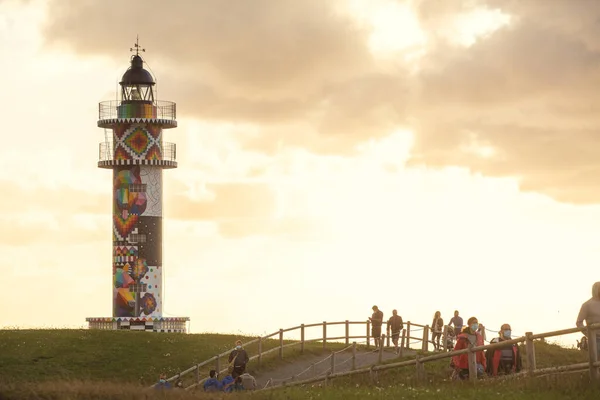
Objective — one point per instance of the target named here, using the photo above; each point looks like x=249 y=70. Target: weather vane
x=136 y=46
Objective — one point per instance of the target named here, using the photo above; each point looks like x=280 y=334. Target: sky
x=421 y=155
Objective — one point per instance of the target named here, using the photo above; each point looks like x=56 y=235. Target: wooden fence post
x=347 y=332
x=217 y=364
x=388 y=338
x=197 y=374
x=401 y=349
x=408 y=335
x=324 y=335
x=259 y=351
x=445 y=338
x=302 y=339
x=593 y=353
x=380 y=357
x=425 y=344
x=281 y=344
x=530 y=349
x=332 y=362
x=472 y=364
x=368 y=334
x=353 y=356
x=419 y=369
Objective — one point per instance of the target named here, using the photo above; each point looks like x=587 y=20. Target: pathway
x=302 y=366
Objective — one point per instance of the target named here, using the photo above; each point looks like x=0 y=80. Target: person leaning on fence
x=376 y=322
x=503 y=360
x=436 y=330
x=395 y=325
x=212 y=384
x=238 y=359
x=590 y=313
x=469 y=335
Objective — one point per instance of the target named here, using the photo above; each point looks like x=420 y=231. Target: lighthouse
x=135 y=151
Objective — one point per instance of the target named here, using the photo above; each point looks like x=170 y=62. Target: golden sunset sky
x=419 y=155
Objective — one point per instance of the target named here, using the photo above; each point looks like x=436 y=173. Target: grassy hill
x=82 y=364
x=115 y=356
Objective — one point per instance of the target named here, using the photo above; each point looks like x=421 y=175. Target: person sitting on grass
x=162 y=382
x=238 y=384
x=227 y=382
x=505 y=360
x=248 y=381
x=212 y=384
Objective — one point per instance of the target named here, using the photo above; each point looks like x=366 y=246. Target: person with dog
x=590 y=313
x=504 y=360
x=395 y=325
x=469 y=336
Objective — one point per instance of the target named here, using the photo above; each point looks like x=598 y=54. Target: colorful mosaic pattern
x=124 y=254
x=136 y=110
x=137 y=141
x=137 y=241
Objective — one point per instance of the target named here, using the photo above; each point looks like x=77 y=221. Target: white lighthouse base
x=162 y=324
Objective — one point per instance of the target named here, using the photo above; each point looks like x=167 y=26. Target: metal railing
x=107 y=151
x=164 y=109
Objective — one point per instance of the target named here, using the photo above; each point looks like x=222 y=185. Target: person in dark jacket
x=376 y=322
x=238 y=360
x=503 y=360
x=395 y=326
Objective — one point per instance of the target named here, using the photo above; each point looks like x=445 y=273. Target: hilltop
x=80 y=364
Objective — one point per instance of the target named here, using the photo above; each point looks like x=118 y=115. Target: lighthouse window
x=136 y=238
x=137 y=188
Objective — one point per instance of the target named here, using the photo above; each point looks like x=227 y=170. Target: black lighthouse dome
x=136 y=74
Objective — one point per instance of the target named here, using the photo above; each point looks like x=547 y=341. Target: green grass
x=90 y=364
x=119 y=356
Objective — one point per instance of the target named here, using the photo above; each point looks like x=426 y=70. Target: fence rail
x=405 y=342
x=106 y=150
x=110 y=109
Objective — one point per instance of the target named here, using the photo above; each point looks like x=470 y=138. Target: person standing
x=376 y=322
x=590 y=313
x=238 y=359
x=395 y=325
x=457 y=322
x=436 y=330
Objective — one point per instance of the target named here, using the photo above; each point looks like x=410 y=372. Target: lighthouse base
x=162 y=324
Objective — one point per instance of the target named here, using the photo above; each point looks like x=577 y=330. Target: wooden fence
x=593 y=365
x=220 y=363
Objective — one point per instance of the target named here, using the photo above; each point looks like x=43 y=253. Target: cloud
x=524 y=97
x=519 y=101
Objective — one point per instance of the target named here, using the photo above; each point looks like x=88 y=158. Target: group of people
x=493 y=362
x=237 y=379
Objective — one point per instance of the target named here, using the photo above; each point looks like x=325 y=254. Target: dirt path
x=302 y=367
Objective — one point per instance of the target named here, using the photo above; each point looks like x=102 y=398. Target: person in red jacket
x=469 y=335
x=505 y=360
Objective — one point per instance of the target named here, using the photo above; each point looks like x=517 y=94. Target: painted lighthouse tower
x=136 y=153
